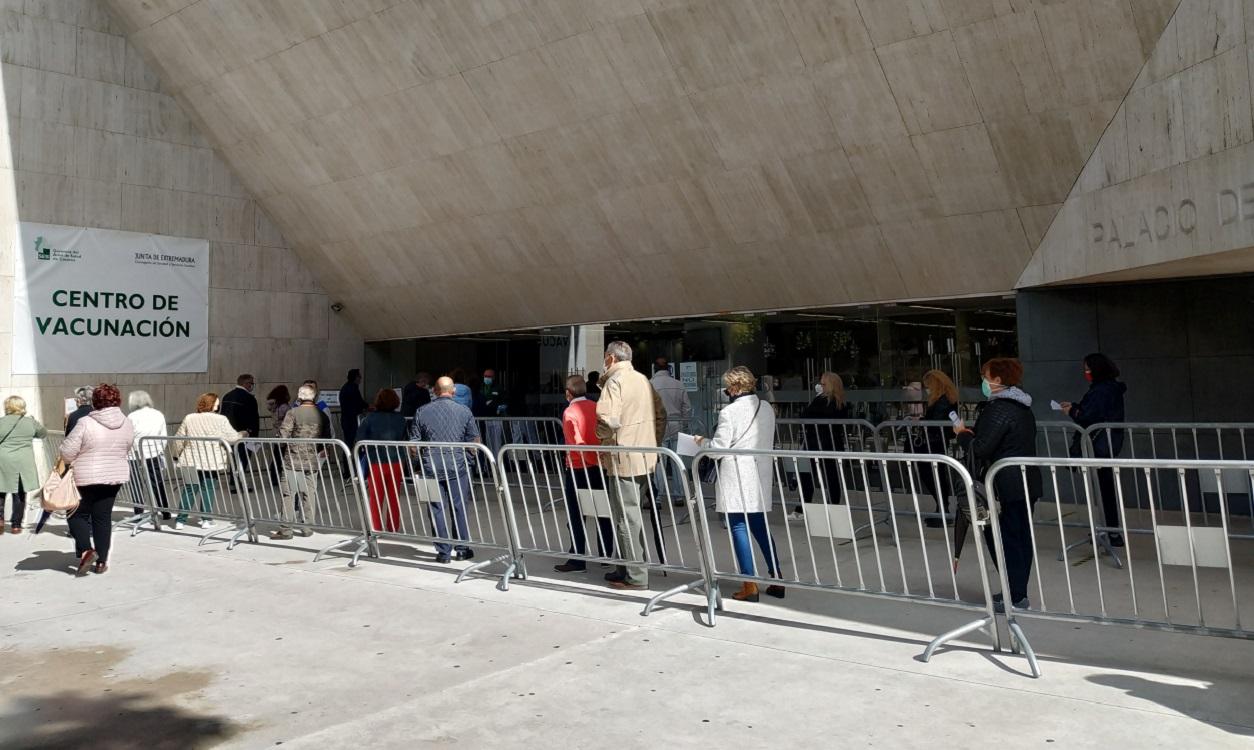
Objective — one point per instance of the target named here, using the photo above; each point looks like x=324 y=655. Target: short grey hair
x=306 y=393
x=577 y=386
x=82 y=395
x=138 y=400
x=619 y=351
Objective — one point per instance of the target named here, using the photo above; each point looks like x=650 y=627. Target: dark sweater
x=1102 y=403
x=825 y=437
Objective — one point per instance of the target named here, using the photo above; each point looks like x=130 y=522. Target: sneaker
x=179 y=525
x=281 y=534
x=304 y=532
x=464 y=554
x=442 y=557
x=797 y=516
x=205 y=523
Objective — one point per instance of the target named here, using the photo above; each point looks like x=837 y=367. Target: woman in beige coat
x=208 y=459
x=18 y=474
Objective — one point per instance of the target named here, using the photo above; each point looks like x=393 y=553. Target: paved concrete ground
x=182 y=646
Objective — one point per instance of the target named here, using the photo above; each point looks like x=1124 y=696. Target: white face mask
x=818 y=389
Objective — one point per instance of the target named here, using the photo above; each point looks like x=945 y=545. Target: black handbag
x=707 y=468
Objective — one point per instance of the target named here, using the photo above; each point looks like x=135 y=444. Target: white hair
x=619 y=351
x=138 y=400
x=82 y=395
x=305 y=393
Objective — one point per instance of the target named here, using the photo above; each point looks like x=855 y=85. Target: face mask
x=818 y=389
x=986 y=388
x=487 y=381
x=1088 y=376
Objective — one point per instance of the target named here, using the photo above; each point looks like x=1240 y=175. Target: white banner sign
x=98 y=300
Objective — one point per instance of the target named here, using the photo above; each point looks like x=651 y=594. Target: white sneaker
x=205 y=523
x=178 y=525
x=795 y=516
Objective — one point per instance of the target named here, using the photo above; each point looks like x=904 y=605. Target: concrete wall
x=90 y=139
x=1169 y=190
x=1185 y=347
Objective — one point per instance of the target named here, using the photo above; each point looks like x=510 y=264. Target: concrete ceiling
x=458 y=165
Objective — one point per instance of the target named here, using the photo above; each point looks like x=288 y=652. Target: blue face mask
x=986 y=388
x=487 y=381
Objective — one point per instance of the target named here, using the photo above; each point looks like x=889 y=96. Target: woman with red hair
x=99 y=447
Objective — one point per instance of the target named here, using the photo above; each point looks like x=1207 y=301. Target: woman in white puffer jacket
x=98 y=447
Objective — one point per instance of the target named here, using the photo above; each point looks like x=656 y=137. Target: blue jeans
x=743 y=523
x=454 y=492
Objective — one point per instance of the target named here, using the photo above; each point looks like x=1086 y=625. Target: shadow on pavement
x=1194 y=701
x=58 y=560
x=78 y=719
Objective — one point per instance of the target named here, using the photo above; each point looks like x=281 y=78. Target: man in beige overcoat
x=628 y=414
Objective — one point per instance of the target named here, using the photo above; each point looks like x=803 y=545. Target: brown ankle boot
x=747 y=593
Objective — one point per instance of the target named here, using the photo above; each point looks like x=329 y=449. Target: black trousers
x=154 y=468
x=19 y=506
x=92 y=523
x=939 y=491
x=586 y=479
x=1016 y=538
x=832 y=482
x=1110 y=499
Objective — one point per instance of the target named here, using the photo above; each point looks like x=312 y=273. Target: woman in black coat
x=942 y=398
x=1006 y=428
x=830 y=403
x=1103 y=403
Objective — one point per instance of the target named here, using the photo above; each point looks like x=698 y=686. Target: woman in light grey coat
x=744 y=486
x=18 y=474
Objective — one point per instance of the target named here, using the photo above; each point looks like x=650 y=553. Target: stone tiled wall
x=90 y=139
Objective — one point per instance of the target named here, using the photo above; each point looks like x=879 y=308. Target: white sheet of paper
x=1055 y=406
x=687 y=445
x=252 y=447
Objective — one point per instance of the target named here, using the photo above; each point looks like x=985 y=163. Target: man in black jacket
x=352 y=406
x=415 y=395
x=239 y=406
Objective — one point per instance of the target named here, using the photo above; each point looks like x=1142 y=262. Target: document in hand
x=687 y=445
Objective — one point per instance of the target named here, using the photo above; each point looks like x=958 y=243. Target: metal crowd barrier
x=824 y=551
x=583 y=513
x=422 y=492
x=496 y=432
x=298 y=486
x=198 y=477
x=1179 y=572
x=856 y=434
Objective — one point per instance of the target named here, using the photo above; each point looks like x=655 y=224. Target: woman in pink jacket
x=98 y=448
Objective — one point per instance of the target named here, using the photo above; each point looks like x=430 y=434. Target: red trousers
x=383 y=487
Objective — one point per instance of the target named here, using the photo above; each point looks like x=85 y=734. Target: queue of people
x=106 y=448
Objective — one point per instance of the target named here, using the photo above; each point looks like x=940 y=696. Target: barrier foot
x=134 y=522
x=373 y=548
x=214 y=531
x=1016 y=633
x=693 y=586
x=244 y=530
x=503 y=584
x=954 y=634
x=480 y=566
x=357 y=540
x=1103 y=545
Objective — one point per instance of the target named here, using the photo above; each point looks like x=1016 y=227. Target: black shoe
x=1115 y=539
x=442 y=557
x=571 y=566
x=999 y=606
x=464 y=554
x=615 y=576
x=933 y=523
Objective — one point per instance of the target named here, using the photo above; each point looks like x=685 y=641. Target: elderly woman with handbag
x=18 y=474
x=744 y=483
x=99 y=448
